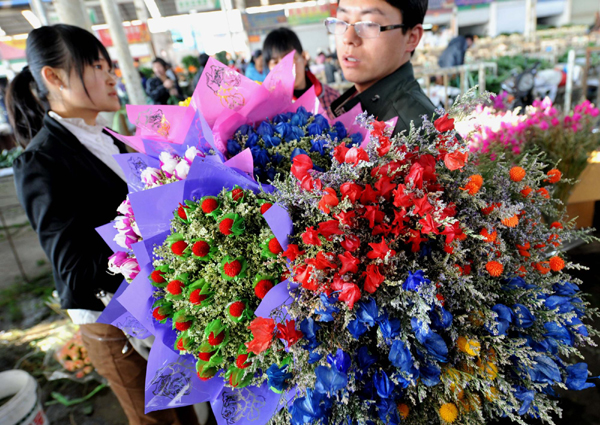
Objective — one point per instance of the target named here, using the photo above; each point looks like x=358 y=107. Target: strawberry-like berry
x=181 y=212
x=203 y=378
x=201 y=249
x=178 y=247
x=262 y=287
x=156 y=314
x=232 y=269
x=180 y=346
x=225 y=226
x=205 y=356
x=157 y=276
x=216 y=340
x=275 y=247
x=237 y=308
x=196 y=297
x=209 y=205
x=265 y=207
x=175 y=287
x=237 y=194
x=183 y=326
x=240 y=362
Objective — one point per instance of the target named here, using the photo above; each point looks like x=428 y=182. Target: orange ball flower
x=554 y=176
x=526 y=191
x=474 y=184
x=517 y=174
x=556 y=225
x=489 y=237
x=494 y=268
x=511 y=221
x=557 y=263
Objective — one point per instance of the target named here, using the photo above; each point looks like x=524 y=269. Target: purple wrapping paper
x=171 y=380
x=247 y=406
x=137 y=298
x=154 y=207
x=107 y=232
x=134 y=142
x=275 y=298
x=115 y=314
x=280 y=223
x=154 y=147
x=132 y=165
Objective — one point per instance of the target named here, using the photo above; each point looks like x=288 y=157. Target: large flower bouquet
x=566 y=138
x=425 y=291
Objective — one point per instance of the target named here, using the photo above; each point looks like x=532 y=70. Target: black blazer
x=67 y=192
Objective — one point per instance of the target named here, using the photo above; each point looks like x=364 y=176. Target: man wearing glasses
x=375 y=40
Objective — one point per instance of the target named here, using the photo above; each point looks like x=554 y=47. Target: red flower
x=309 y=184
x=301 y=164
x=204 y=356
x=444 y=124
x=201 y=249
x=415 y=239
x=237 y=308
x=328 y=200
x=209 y=205
x=384 y=145
x=304 y=276
x=339 y=153
x=175 y=287
x=346 y=217
x=237 y=194
x=215 y=340
x=428 y=163
x=178 y=247
x=452 y=232
x=292 y=252
x=242 y=361
x=373 y=278
x=225 y=226
x=311 y=237
x=265 y=207
x=385 y=187
x=349 y=293
x=429 y=225
x=355 y=155
x=323 y=261
x=329 y=228
x=232 y=269
x=380 y=250
x=351 y=243
x=262 y=288
x=378 y=128
x=351 y=190
x=382 y=229
x=399 y=219
x=157 y=276
x=369 y=196
x=374 y=215
x=349 y=263
x=401 y=199
x=181 y=212
x=415 y=175
x=262 y=332
x=196 y=297
x=183 y=326
x=456 y=160
x=289 y=333
x=156 y=314
x=275 y=247
x=422 y=206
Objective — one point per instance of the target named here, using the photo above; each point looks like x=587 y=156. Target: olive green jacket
x=397 y=95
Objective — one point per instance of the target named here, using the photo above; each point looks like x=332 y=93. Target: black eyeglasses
x=364 y=29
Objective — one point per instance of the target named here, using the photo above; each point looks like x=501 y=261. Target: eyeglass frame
x=348 y=25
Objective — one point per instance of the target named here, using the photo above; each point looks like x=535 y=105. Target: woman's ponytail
x=25 y=109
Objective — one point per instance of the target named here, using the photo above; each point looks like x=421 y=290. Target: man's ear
x=415 y=35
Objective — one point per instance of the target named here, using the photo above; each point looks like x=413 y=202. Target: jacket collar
x=375 y=99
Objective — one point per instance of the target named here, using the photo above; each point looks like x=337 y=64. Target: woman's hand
x=168 y=84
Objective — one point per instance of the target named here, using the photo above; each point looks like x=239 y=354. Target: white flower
x=164 y=157
x=125 y=208
x=130 y=268
x=182 y=169
x=191 y=153
x=169 y=167
x=150 y=176
x=135 y=228
x=122 y=224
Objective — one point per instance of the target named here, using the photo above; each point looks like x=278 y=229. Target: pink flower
x=555 y=122
x=544 y=125
x=125 y=208
x=126 y=239
x=150 y=176
x=130 y=268
x=116 y=260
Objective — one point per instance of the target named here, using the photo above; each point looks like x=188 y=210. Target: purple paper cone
x=275 y=298
x=132 y=165
x=108 y=232
x=153 y=208
x=280 y=223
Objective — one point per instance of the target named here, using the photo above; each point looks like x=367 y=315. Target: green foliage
x=8 y=156
x=190 y=60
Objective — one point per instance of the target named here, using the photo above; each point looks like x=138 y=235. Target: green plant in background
x=507 y=66
x=147 y=72
x=190 y=60
x=8 y=156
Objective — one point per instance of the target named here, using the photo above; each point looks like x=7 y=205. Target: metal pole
x=71 y=12
x=142 y=14
x=133 y=83
x=37 y=7
x=569 y=87
x=481 y=78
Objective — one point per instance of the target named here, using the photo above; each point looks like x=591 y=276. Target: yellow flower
x=403 y=410
x=476 y=318
x=468 y=346
x=449 y=412
x=488 y=368
x=185 y=102
x=492 y=394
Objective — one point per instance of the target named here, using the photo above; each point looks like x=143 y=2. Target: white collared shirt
x=102 y=147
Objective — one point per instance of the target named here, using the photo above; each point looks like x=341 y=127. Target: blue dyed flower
x=577 y=376
x=433 y=343
x=271 y=141
x=265 y=129
x=329 y=380
x=356 y=328
x=296 y=133
x=440 y=318
x=245 y=129
x=367 y=312
x=277 y=377
x=328 y=308
x=252 y=140
x=420 y=329
x=526 y=396
x=307 y=409
x=296 y=152
x=401 y=357
x=338 y=131
x=319 y=145
x=284 y=129
x=276 y=158
x=314 y=357
x=383 y=385
x=430 y=374
x=300 y=118
x=558 y=332
x=390 y=328
x=341 y=361
x=260 y=156
x=503 y=319
x=364 y=359
x=514 y=283
x=309 y=328
x=566 y=289
x=577 y=325
x=523 y=317
x=544 y=371
x=233 y=147
x=387 y=411
x=355 y=140
x=557 y=301
x=414 y=281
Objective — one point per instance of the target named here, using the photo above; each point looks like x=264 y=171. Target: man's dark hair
x=470 y=37
x=162 y=62
x=280 y=41
x=413 y=12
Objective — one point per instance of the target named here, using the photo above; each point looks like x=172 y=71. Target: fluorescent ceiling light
x=2 y=32
x=20 y=37
x=153 y=8
x=31 y=18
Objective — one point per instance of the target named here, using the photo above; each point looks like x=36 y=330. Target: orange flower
x=511 y=221
x=461 y=237
x=539 y=246
x=526 y=191
x=544 y=192
x=474 y=184
x=489 y=237
x=403 y=410
x=522 y=271
x=557 y=263
x=554 y=176
x=556 y=225
x=517 y=174
x=192 y=69
x=541 y=267
x=494 y=268
x=523 y=250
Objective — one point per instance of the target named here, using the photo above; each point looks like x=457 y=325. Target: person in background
x=161 y=87
x=69 y=183
x=375 y=40
x=277 y=45
x=454 y=53
x=203 y=59
x=256 y=68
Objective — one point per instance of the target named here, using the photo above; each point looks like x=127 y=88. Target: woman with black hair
x=69 y=183
x=161 y=87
